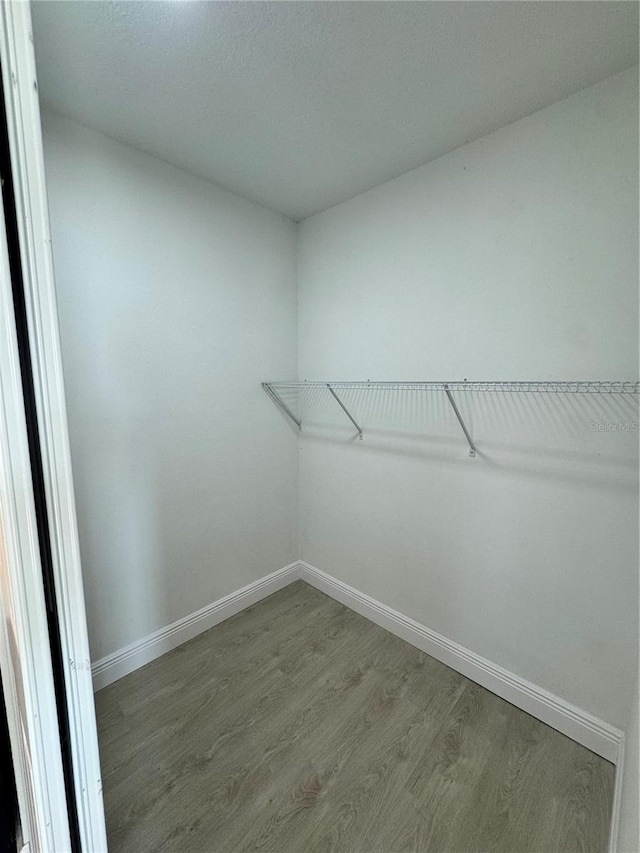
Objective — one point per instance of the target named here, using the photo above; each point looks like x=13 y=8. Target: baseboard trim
x=115 y=666
x=595 y=734
x=617 y=800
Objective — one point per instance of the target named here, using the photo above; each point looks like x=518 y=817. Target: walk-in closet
x=347 y=305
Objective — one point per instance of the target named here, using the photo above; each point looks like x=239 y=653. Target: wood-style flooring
x=300 y=726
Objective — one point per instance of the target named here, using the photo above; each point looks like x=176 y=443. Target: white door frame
x=25 y=659
x=25 y=140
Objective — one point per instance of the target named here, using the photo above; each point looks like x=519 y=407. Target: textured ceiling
x=300 y=106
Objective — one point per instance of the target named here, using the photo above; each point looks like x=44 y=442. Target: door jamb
x=25 y=140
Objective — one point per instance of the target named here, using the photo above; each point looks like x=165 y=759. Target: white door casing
x=25 y=141
x=25 y=659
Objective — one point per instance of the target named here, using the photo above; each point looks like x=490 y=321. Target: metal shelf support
x=346 y=411
x=472 y=447
x=277 y=399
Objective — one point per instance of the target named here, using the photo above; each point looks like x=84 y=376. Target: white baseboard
x=595 y=734
x=114 y=666
x=617 y=800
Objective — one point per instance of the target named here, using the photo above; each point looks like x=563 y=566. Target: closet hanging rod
x=545 y=387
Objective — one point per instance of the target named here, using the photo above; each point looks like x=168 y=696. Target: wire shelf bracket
x=472 y=447
x=345 y=410
x=277 y=399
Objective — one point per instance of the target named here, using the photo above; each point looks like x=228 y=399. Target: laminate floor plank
x=187 y=693
x=364 y=801
x=235 y=733
x=317 y=735
x=252 y=637
x=298 y=725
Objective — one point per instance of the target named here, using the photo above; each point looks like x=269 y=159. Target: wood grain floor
x=300 y=726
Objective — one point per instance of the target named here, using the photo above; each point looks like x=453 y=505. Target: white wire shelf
x=447 y=387
x=547 y=387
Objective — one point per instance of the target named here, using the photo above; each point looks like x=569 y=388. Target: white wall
x=514 y=257
x=176 y=299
